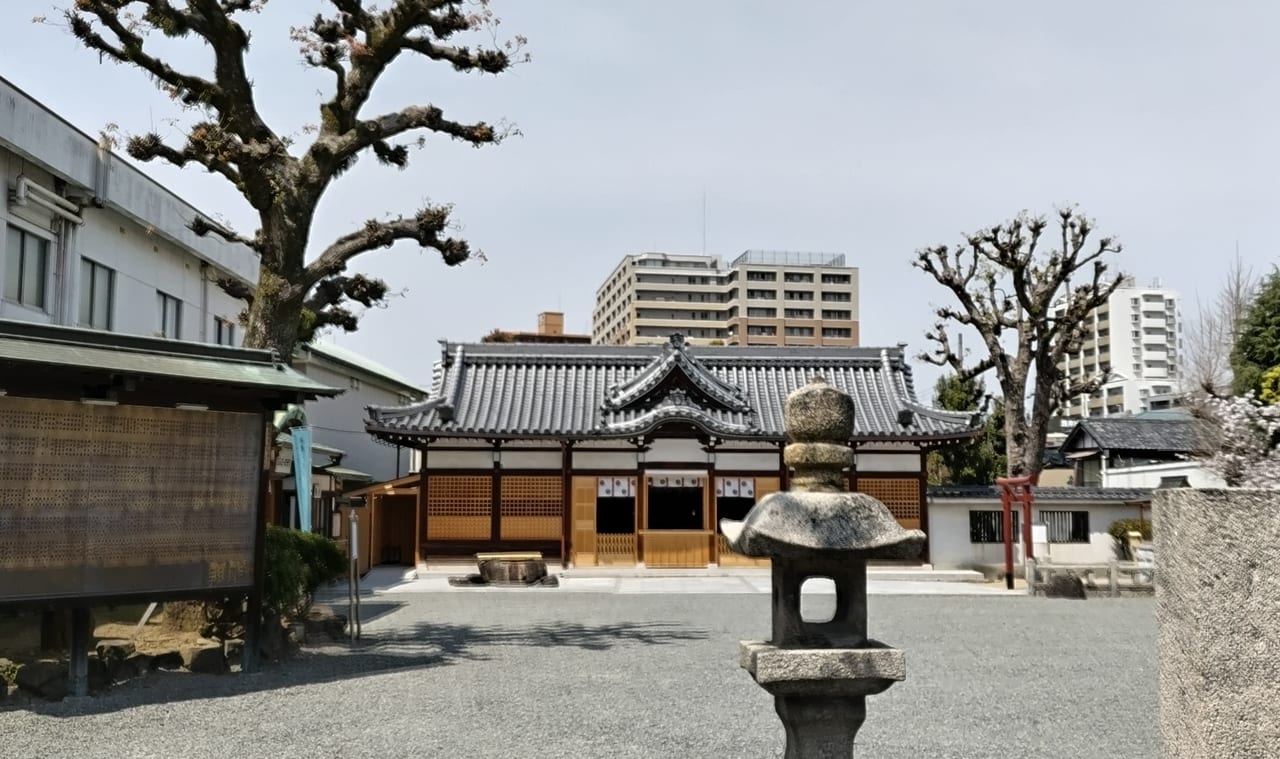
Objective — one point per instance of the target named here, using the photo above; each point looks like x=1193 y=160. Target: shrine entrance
x=676 y=528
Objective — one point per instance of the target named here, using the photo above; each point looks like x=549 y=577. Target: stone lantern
x=820 y=673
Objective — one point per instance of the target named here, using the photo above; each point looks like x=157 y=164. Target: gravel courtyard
x=539 y=673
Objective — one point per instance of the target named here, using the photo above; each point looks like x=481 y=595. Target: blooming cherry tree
x=1244 y=452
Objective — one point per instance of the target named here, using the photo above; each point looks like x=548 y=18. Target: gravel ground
x=541 y=674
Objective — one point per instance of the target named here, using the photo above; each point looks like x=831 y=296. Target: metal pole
x=353 y=576
x=81 y=633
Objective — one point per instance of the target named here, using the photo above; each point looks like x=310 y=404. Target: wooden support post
x=924 y=503
x=566 y=501
x=81 y=638
x=420 y=511
x=250 y=654
x=495 y=512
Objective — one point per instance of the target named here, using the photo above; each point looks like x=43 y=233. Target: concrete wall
x=1218 y=620
x=950 y=547
x=1149 y=475
x=339 y=422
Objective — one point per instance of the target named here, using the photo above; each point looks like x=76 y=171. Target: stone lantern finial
x=820 y=672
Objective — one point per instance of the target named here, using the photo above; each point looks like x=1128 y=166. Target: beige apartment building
x=760 y=298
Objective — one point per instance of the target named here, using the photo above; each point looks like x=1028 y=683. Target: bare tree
x=283 y=182
x=1211 y=337
x=1009 y=286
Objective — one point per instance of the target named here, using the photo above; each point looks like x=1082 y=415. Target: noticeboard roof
x=26 y=344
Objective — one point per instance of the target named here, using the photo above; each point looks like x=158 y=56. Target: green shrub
x=298 y=563
x=1120 y=529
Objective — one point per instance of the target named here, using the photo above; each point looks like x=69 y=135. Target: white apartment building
x=90 y=241
x=760 y=298
x=1138 y=333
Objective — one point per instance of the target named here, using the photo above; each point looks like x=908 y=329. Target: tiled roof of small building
x=580 y=392
x=1069 y=493
x=1134 y=433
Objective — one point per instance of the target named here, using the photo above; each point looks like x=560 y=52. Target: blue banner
x=302 y=475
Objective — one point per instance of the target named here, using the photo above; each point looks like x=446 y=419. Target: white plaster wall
x=888 y=462
x=603 y=460
x=949 y=546
x=339 y=422
x=459 y=460
x=1148 y=476
x=530 y=459
x=676 y=450
x=751 y=462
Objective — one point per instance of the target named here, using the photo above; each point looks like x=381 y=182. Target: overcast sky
x=869 y=129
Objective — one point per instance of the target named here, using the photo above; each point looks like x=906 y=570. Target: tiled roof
x=1134 y=433
x=985 y=492
x=522 y=390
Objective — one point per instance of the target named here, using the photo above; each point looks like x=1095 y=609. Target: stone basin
x=512 y=568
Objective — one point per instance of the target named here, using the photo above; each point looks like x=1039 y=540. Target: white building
x=91 y=241
x=1138 y=333
x=760 y=298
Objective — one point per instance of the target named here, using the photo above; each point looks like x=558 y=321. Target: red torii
x=1019 y=489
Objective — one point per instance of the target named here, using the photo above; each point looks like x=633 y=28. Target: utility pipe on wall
x=28 y=193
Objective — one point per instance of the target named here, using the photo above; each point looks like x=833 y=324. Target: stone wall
x=1218 y=613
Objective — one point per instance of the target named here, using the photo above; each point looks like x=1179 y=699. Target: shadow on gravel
x=425 y=645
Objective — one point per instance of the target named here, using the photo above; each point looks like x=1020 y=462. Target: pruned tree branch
x=426 y=228
x=236 y=289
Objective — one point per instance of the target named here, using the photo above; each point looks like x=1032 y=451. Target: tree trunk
x=275 y=316
x=1015 y=435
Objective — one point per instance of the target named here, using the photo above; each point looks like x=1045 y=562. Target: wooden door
x=584 y=521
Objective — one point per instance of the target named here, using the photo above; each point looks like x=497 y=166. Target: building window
x=762 y=313
x=837 y=332
x=799 y=295
x=1067 y=526
x=224 y=331
x=828 y=313
x=759 y=330
x=795 y=276
x=26 y=268
x=799 y=331
x=836 y=279
x=97 y=295
x=170 y=316
x=762 y=294
x=988 y=526
x=762 y=276
x=798 y=313
x=837 y=296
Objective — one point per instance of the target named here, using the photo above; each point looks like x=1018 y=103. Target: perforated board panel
x=460 y=508
x=101 y=501
x=531 y=508
x=900 y=494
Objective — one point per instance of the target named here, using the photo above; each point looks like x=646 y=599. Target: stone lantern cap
x=818 y=519
x=822 y=525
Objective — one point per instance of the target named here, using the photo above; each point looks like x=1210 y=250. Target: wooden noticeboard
x=101 y=501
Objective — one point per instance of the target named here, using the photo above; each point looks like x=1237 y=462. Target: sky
x=870 y=129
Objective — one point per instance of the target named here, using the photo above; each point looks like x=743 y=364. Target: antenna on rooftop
x=704 y=220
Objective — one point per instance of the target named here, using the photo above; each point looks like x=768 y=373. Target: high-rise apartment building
x=760 y=298
x=1138 y=333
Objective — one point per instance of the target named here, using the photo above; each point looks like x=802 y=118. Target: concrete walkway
x=397 y=580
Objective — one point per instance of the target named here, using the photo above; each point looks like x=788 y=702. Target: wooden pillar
x=253 y=607
x=709 y=496
x=784 y=472
x=924 y=502
x=420 y=514
x=495 y=513
x=81 y=639
x=566 y=500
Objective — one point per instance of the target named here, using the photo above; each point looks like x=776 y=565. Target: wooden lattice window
x=459 y=508
x=532 y=508
x=900 y=494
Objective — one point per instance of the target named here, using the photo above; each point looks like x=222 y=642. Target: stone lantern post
x=820 y=673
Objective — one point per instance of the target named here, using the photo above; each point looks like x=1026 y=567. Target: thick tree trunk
x=274 y=317
x=1015 y=435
